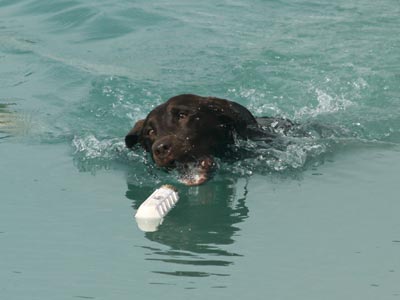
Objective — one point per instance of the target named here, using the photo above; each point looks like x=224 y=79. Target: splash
x=92 y=154
x=287 y=153
x=326 y=104
x=92 y=148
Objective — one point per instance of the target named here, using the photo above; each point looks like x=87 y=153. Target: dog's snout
x=162 y=148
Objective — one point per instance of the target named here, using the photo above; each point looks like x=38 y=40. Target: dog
x=188 y=131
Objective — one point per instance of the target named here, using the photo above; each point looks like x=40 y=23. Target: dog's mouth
x=196 y=173
x=191 y=169
x=191 y=172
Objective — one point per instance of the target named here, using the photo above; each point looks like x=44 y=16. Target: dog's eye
x=151 y=132
x=182 y=115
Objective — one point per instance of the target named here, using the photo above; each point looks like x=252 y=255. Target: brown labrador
x=188 y=131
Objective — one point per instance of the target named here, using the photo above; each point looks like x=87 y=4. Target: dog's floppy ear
x=133 y=136
x=235 y=115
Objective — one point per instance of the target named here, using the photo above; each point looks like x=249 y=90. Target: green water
x=318 y=219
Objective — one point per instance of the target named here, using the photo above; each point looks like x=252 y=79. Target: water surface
x=316 y=219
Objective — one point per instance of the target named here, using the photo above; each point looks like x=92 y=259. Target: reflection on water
x=6 y=121
x=198 y=229
x=13 y=122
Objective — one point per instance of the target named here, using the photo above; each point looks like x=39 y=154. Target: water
x=317 y=219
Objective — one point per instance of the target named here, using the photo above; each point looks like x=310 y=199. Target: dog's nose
x=162 y=149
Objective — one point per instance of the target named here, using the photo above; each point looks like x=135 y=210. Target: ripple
x=6 y=2
x=48 y=7
x=189 y=273
x=74 y=17
x=103 y=27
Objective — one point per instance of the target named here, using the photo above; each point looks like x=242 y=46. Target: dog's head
x=189 y=130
